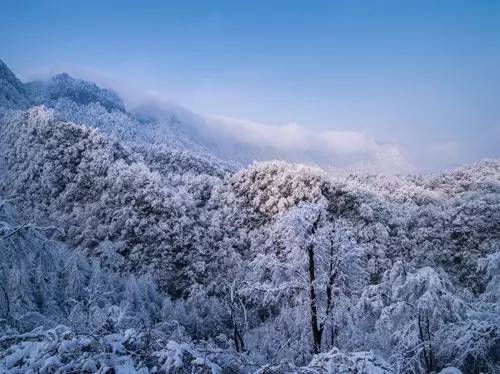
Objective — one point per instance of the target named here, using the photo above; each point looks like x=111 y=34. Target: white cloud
x=332 y=150
x=292 y=136
x=244 y=140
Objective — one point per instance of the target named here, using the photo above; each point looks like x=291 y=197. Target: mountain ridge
x=130 y=247
x=12 y=90
x=234 y=142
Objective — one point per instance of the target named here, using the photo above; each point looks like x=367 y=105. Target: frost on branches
x=127 y=246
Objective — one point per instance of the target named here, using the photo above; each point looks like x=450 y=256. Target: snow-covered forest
x=127 y=245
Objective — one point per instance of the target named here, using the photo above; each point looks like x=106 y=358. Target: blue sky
x=424 y=75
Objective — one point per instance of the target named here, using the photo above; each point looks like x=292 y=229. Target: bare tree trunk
x=425 y=339
x=7 y=302
x=317 y=331
x=431 y=364
x=239 y=343
x=238 y=340
x=334 y=335
x=329 y=294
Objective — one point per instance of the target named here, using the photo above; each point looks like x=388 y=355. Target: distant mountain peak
x=82 y=92
x=6 y=73
x=12 y=91
x=14 y=94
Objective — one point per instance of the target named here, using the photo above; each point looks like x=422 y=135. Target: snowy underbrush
x=61 y=350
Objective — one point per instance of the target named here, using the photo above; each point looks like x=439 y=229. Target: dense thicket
x=155 y=254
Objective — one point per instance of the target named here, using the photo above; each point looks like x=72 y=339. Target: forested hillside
x=126 y=245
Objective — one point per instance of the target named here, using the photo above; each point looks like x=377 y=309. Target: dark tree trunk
x=425 y=338
x=238 y=340
x=239 y=343
x=329 y=293
x=6 y=309
x=317 y=331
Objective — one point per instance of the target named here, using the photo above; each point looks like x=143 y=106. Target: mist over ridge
x=148 y=239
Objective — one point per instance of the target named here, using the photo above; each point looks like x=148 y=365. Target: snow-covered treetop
x=274 y=186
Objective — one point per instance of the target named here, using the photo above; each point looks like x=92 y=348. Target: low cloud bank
x=339 y=151
x=245 y=140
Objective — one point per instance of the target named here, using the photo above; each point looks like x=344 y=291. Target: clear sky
x=421 y=74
